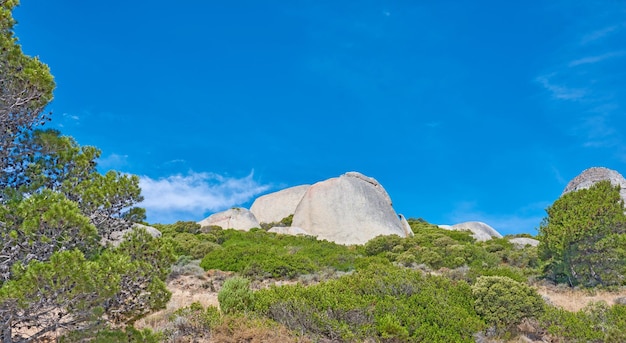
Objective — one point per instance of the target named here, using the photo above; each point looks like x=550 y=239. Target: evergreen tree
x=583 y=238
x=25 y=87
x=55 y=211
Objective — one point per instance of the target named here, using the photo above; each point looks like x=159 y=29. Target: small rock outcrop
x=350 y=209
x=406 y=226
x=288 y=230
x=593 y=175
x=118 y=236
x=521 y=242
x=235 y=218
x=480 y=231
x=273 y=207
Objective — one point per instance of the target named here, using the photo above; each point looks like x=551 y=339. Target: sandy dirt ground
x=576 y=299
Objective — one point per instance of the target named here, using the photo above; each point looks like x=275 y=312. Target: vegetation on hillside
x=436 y=286
x=59 y=277
x=583 y=239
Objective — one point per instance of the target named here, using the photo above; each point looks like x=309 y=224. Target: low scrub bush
x=235 y=295
x=258 y=254
x=381 y=301
x=504 y=302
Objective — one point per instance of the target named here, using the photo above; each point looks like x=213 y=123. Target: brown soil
x=575 y=299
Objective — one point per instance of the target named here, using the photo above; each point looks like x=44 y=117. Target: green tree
x=76 y=294
x=47 y=160
x=26 y=87
x=55 y=209
x=36 y=227
x=583 y=237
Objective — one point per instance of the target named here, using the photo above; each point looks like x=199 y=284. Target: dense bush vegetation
x=583 y=239
x=504 y=302
x=235 y=295
x=259 y=254
x=381 y=301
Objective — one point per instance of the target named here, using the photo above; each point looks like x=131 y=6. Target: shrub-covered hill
x=437 y=286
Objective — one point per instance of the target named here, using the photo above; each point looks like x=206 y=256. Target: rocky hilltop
x=593 y=175
x=480 y=231
x=349 y=209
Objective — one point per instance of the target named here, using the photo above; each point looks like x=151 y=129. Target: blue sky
x=463 y=110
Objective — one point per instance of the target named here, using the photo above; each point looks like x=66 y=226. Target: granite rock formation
x=273 y=207
x=350 y=209
x=117 y=237
x=480 y=231
x=521 y=242
x=593 y=175
x=288 y=230
x=235 y=218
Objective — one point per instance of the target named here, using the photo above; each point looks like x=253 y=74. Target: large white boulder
x=117 y=237
x=593 y=175
x=273 y=207
x=288 y=230
x=406 y=226
x=235 y=218
x=350 y=209
x=521 y=242
x=480 y=231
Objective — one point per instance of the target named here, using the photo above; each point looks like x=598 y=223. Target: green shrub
x=381 y=244
x=504 y=302
x=258 y=254
x=381 y=301
x=129 y=335
x=570 y=326
x=502 y=270
x=235 y=295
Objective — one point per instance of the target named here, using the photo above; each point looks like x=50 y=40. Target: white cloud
x=71 y=116
x=191 y=196
x=561 y=92
x=599 y=34
x=596 y=59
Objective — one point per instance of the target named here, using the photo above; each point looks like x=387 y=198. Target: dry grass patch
x=253 y=330
x=574 y=300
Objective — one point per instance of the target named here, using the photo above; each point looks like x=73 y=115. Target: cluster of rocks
x=354 y=208
x=349 y=209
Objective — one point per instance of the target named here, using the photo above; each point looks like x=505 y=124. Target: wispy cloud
x=585 y=85
x=558 y=176
x=596 y=59
x=71 y=116
x=561 y=92
x=191 y=196
x=599 y=34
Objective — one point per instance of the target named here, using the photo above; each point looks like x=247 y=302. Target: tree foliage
x=56 y=210
x=46 y=160
x=25 y=86
x=73 y=293
x=504 y=302
x=583 y=237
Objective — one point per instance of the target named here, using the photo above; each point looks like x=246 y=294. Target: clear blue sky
x=463 y=110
